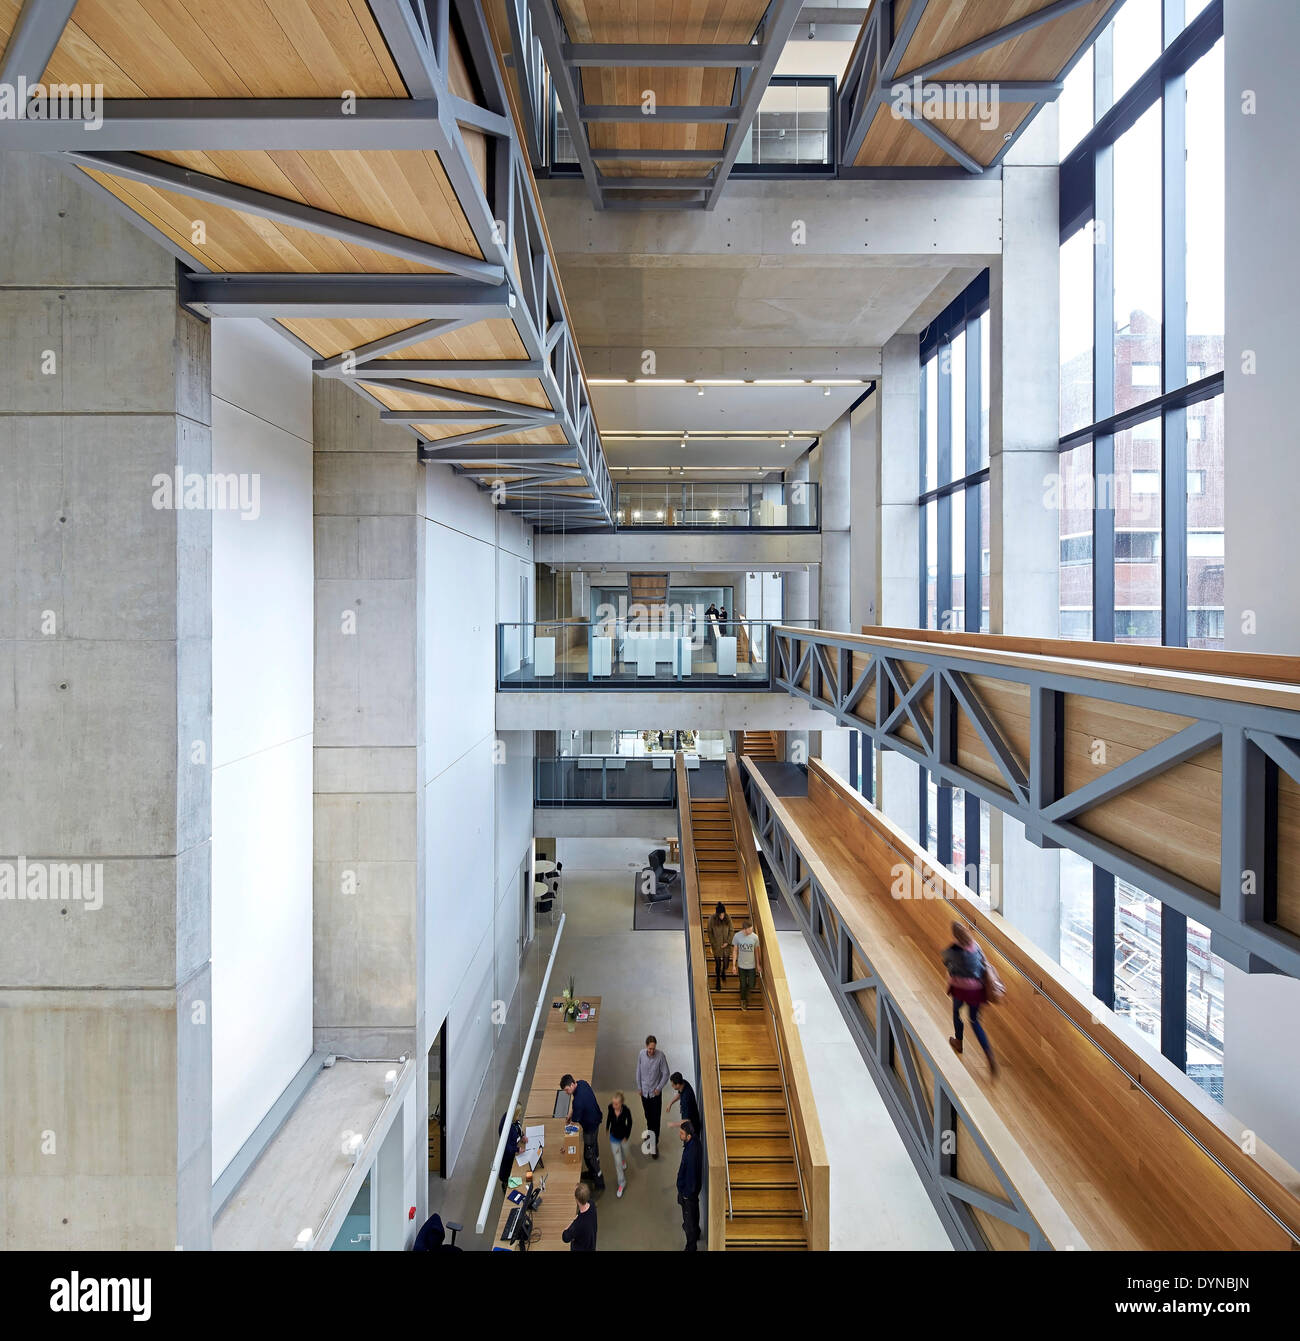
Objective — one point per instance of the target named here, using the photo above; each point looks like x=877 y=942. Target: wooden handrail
x=706 y=1052
x=1242 y=677
x=1262 y=1176
x=810 y=1148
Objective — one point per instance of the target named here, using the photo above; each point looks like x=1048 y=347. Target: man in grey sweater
x=651 y=1076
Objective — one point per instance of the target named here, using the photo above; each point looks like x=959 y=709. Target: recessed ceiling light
x=780 y=381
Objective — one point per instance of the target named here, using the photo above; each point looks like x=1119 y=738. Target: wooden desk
x=561 y=1053
x=563 y=1172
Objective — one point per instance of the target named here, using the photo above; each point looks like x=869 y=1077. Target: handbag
x=994 y=990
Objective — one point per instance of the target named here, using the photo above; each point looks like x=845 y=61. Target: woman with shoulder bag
x=971 y=982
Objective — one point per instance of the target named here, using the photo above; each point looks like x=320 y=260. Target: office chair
x=662 y=873
x=547 y=905
x=656 y=888
x=455 y=1228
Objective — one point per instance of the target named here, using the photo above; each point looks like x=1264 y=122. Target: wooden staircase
x=758 y=744
x=766 y=1203
x=650 y=590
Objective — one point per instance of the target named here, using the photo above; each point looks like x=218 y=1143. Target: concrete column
x=897 y=473
x=1024 y=427
x=105 y=717
x=1261 y=1079
x=370 y=629
x=836 y=569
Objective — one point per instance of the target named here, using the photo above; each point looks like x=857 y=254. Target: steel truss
x=931 y=1127
x=504 y=219
x=873 y=81
x=540 y=42
x=1256 y=742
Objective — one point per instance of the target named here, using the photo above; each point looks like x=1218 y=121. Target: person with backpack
x=968 y=974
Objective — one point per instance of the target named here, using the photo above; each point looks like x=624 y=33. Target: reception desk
x=561 y=1053
x=561 y=1167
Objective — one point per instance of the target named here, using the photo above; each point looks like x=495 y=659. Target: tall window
x=954 y=526
x=1141 y=451
x=955 y=464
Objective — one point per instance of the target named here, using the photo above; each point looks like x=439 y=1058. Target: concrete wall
x=262 y=573
x=1261 y=1081
x=419 y=805
x=105 y=689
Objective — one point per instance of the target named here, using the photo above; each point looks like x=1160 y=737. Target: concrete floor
x=877 y=1199
x=641 y=978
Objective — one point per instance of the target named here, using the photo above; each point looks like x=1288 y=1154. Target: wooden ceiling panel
x=950 y=26
x=329 y=336
x=552 y=434
x=661 y=20
x=226 y=49
x=403 y=191
x=682 y=86
x=984 y=145
x=1041 y=53
x=894 y=141
x=519 y=392
x=246 y=243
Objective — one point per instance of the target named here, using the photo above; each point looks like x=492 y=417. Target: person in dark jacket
x=512 y=1145
x=720 y=932
x=581 y=1234
x=584 y=1109
x=618 y=1123
x=966 y=967
x=689 y=1175
x=690 y=1111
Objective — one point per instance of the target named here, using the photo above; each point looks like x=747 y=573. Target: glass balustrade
x=606 y=779
x=692 y=505
x=681 y=647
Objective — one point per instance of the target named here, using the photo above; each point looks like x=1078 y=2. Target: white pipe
x=519 y=1080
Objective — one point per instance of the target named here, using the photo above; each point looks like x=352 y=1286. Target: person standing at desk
x=584 y=1109
x=689 y=1174
x=686 y=1097
x=651 y=1077
x=581 y=1234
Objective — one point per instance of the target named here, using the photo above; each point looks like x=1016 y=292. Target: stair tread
x=760 y=1201
x=762 y=1172
x=785 y=1229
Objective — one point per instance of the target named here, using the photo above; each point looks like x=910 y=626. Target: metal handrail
x=726 y=1163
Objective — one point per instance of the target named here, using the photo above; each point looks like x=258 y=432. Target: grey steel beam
x=997 y=37
x=337 y=365
x=657 y=183
x=970 y=90
x=777 y=24
x=547 y=26
x=343 y=295
x=179 y=124
x=864 y=103
x=510 y=454
x=949 y=147
x=33 y=39
x=410 y=46
x=722 y=115
x=659 y=155
x=383 y=370
x=468 y=113
x=494 y=405
x=543 y=419
x=668 y=55
x=1234 y=914
x=230 y=195
x=1181 y=746
x=632 y=203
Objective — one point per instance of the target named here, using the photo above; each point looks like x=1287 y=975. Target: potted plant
x=571 y=1016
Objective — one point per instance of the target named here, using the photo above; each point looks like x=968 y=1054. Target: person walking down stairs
x=746 y=959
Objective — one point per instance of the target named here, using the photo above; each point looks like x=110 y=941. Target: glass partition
x=792 y=506
x=609 y=779
x=678 y=644
x=792 y=128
